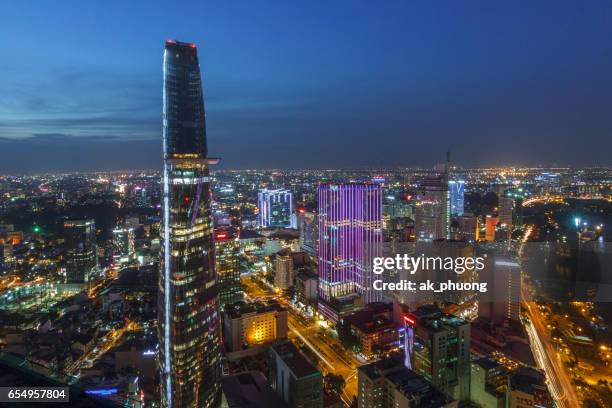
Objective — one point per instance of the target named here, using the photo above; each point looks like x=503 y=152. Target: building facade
x=81 y=249
x=188 y=321
x=502 y=301
x=283 y=270
x=506 y=211
x=227 y=265
x=433 y=211
x=387 y=383
x=488 y=383
x=350 y=236
x=490 y=228
x=309 y=232
x=296 y=381
x=456 y=192
x=251 y=324
x=123 y=245
x=527 y=388
x=438 y=348
x=275 y=208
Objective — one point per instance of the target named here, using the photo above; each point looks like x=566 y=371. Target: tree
x=334 y=383
x=591 y=403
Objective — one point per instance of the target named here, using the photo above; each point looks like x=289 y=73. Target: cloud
x=48 y=136
x=80 y=102
x=64 y=152
x=55 y=137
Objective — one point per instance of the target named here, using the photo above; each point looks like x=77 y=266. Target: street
x=330 y=354
x=547 y=357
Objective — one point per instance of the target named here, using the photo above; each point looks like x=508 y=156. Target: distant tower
x=309 y=232
x=283 y=270
x=432 y=211
x=189 y=322
x=123 y=244
x=506 y=211
x=81 y=249
x=275 y=207
x=456 y=192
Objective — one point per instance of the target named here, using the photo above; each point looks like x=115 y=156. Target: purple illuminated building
x=350 y=236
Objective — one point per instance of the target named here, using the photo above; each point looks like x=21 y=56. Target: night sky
x=329 y=84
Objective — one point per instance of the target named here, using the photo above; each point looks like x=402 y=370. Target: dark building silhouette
x=189 y=326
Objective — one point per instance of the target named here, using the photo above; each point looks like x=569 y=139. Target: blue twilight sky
x=310 y=84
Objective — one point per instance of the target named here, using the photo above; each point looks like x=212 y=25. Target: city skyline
x=363 y=268
x=416 y=78
x=110 y=319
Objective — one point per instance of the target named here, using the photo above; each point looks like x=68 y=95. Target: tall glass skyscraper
x=81 y=249
x=189 y=325
x=350 y=236
x=275 y=207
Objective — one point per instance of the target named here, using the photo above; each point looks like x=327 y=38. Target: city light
x=337 y=257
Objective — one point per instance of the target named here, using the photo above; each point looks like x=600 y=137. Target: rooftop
x=526 y=378
x=368 y=322
x=487 y=363
x=175 y=43
x=297 y=363
x=406 y=381
x=240 y=308
x=412 y=385
x=249 y=389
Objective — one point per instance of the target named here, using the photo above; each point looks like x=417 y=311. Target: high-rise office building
x=518 y=196
x=502 y=301
x=275 y=207
x=456 y=193
x=81 y=249
x=432 y=211
x=350 y=236
x=506 y=211
x=142 y=198
x=123 y=244
x=387 y=383
x=188 y=322
x=283 y=270
x=306 y=287
x=296 y=381
x=309 y=232
x=227 y=265
x=437 y=346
